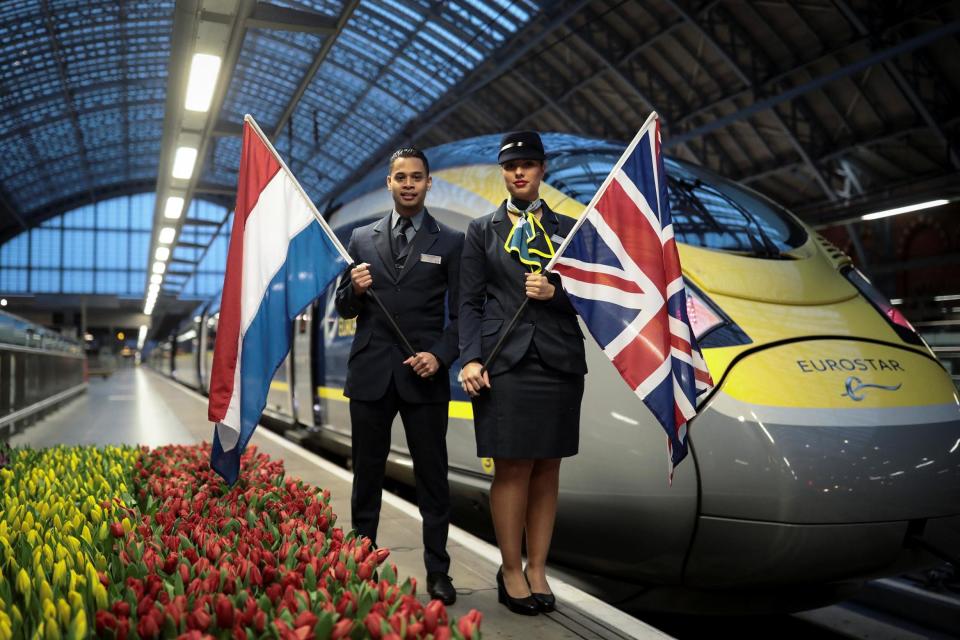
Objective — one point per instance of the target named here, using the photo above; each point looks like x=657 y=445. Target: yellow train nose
x=839 y=374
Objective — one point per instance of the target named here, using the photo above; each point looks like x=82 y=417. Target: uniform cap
x=520 y=145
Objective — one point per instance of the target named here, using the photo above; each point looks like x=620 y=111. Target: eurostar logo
x=855 y=387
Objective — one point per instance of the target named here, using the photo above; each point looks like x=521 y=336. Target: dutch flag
x=282 y=256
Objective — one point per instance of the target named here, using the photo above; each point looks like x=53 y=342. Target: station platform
x=140 y=407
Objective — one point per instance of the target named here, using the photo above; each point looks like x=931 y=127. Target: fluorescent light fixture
x=174 y=207
x=162 y=254
x=202 y=81
x=156 y=279
x=159 y=267
x=3 y=302
x=153 y=289
x=166 y=235
x=907 y=209
x=147 y=309
x=183 y=162
x=896 y=301
x=949 y=298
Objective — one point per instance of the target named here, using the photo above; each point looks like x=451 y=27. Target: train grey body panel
x=864 y=465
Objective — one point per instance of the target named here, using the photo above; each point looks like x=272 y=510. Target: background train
x=828 y=451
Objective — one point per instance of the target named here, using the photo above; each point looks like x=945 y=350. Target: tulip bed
x=122 y=542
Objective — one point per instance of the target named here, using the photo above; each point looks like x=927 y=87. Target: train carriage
x=829 y=446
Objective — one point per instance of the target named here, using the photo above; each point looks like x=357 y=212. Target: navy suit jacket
x=492 y=289
x=415 y=297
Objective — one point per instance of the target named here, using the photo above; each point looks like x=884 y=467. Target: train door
x=303 y=393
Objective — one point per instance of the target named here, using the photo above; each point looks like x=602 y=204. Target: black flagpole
x=393 y=323
x=510 y=327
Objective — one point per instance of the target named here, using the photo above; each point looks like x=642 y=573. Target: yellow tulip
x=103 y=532
x=33 y=538
x=80 y=624
x=127 y=525
x=46 y=593
x=6 y=630
x=51 y=630
x=63 y=610
x=100 y=595
x=75 y=600
x=47 y=556
x=85 y=534
x=23 y=582
x=60 y=573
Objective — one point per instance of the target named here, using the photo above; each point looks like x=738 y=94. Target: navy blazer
x=415 y=297
x=492 y=289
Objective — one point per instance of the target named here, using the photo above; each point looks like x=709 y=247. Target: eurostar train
x=827 y=454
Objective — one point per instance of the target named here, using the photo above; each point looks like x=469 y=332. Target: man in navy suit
x=412 y=262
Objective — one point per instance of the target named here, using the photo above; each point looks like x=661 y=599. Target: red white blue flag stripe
x=620 y=267
x=282 y=255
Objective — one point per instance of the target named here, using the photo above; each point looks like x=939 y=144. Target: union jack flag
x=620 y=268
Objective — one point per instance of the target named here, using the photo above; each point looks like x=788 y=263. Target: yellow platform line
x=458 y=409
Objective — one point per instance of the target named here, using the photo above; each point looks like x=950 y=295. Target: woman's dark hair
x=409 y=152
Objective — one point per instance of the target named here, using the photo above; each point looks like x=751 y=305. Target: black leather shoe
x=524 y=606
x=440 y=587
x=546 y=602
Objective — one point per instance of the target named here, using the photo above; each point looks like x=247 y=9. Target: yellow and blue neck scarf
x=527 y=238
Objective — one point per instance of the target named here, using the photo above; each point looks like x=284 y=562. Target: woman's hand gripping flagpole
x=343 y=252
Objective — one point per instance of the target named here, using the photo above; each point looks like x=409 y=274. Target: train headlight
x=890 y=313
x=702 y=317
x=710 y=325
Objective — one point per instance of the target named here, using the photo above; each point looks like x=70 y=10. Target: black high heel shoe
x=546 y=602
x=524 y=606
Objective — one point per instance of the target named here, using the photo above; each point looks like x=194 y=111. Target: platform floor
x=140 y=407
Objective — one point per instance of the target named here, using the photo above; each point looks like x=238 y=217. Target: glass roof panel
x=392 y=61
x=95 y=65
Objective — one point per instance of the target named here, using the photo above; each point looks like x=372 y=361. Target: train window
x=708 y=211
x=711 y=212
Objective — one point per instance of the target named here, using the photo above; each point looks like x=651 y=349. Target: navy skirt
x=530 y=411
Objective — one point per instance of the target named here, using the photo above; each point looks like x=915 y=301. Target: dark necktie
x=402 y=241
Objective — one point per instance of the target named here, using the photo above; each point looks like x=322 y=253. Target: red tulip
x=121 y=609
x=260 y=621
x=469 y=624
x=199 y=619
x=372 y=622
x=274 y=591
x=116 y=529
x=170 y=564
x=225 y=612
x=414 y=630
x=104 y=621
x=306 y=618
x=123 y=628
x=148 y=628
x=144 y=606
x=442 y=633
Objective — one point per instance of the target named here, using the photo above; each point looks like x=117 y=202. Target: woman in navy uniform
x=527 y=401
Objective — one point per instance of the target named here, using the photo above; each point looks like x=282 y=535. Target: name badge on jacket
x=557 y=239
x=426 y=257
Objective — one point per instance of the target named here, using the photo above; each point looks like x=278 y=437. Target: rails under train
x=828 y=451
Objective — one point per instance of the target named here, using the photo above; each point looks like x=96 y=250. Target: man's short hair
x=410 y=152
